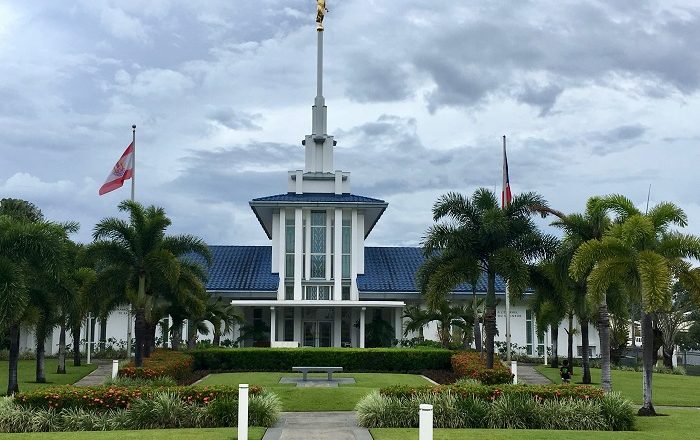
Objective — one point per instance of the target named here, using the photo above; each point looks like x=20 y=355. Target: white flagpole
x=508 y=356
x=133 y=189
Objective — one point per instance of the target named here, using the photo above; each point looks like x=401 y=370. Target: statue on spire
x=320 y=13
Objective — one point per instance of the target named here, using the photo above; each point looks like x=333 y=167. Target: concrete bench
x=306 y=370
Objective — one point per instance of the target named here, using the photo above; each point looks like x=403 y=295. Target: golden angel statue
x=320 y=13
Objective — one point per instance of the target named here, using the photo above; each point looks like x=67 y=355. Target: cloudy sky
x=595 y=97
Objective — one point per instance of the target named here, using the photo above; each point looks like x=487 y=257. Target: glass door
x=309 y=333
x=324 y=333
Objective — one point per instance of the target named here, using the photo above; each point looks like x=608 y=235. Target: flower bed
x=492 y=392
x=471 y=365
x=106 y=398
x=351 y=359
x=175 y=364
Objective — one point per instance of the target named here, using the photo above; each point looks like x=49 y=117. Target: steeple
x=319 y=145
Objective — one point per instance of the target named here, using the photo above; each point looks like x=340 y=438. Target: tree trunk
x=490 y=318
x=585 y=358
x=647 y=408
x=164 y=331
x=477 y=325
x=61 y=369
x=40 y=351
x=604 y=333
x=217 y=339
x=668 y=356
x=139 y=330
x=554 y=362
x=191 y=335
x=76 y=344
x=176 y=335
x=103 y=334
x=12 y=384
x=570 y=343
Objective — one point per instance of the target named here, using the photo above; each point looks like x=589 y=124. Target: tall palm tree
x=26 y=242
x=476 y=233
x=144 y=256
x=551 y=302
x=223 y=317
x=641 y=253
x=417 y=318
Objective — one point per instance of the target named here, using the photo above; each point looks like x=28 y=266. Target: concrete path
x=337 y=425
x=528 y=375
x=98 y=376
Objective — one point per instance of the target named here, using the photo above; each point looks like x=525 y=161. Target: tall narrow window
x=347 y=240
x=289 y=248
x=318 y=244
x=528 y=331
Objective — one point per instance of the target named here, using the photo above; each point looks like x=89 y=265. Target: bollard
x=243 y=411
x=514 y=370
x=425 y=422
x=115 y=368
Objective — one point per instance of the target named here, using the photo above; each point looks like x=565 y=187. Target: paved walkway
x=528 y=375
x=337 y=425
x=97 y=376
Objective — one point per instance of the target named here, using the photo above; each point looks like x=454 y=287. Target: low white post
x=243 y=411
x=115 y=368
x=514 y=370
x=425 y=422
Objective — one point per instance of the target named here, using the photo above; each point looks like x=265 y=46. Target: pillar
x=354 y=296
x=298 y=252
x=338 y=256
x=337 y=326
x=362 y=327
x=282 y=253
x=307 y=245
x=398 y=325
x=273 y=326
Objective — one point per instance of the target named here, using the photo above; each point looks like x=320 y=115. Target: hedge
x=351 y=359
x=175 y=364
x=493 y=392
x=110 y=397
x=471 y=365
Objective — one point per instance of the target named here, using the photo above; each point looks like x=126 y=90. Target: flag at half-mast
x=123 y=170
x=506 y=195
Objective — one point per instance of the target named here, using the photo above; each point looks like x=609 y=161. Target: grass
x=669 y=389
x=26 y=374
x=155 y=434
x=342 y=398
x=680 y=424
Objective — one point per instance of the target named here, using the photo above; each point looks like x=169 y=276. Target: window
x=318 y=244
x=346 y=293
x=257 y=316
x=289 y=248
x=347 y=239
x=313 y=293
x=288 y=324
x=528 y=330
x=289 y=292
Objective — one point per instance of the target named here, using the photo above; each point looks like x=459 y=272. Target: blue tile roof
x=319 y=198
x=393 y=269
x=242 y=268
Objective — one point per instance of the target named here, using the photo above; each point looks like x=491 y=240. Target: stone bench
x=306 y=370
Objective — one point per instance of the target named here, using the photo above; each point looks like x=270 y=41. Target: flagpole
x=133 y=190
x=508 y=355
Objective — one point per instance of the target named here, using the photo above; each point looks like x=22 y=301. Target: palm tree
x=671 y=321
x=26 y=241
x=551 y=302
x=477 y=234
x=145 y=257
x=223 y=317
x=417 y=318
x=642 y=254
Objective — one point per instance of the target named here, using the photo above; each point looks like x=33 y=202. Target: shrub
x=351 y=359
x=224 y=411
x=618 y=413
x=471 y=365
x=492 y=392
x=515 y=412
x=140 y=382
x=163 y=410
x=107 y=397
x=472 y=412
x=378 y=411
x=465 y=381
x=264 y=409
x=174 y=364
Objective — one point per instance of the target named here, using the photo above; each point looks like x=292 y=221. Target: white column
x=508 y=355
x=353 y=257
x=329 y=238
x=425 y=422
x=281 y=252
x=398 y=324
x=307 y=245
x=353 y=333
x=243 y=411
x=298 y=247
x=362 y=327
x=338 y=256
x=273 y=326
x=337 y=325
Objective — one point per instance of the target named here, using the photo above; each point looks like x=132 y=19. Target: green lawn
x=680 y=424
x=342 y=398
x=155 y=434
x=26 y=374
x=669 y=389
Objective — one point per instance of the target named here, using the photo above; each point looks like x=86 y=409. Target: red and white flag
x=123 y=170
x=506 y=195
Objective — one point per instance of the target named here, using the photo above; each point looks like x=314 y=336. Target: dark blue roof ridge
x=319 y=197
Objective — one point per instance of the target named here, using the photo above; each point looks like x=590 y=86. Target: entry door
x=310 y=333
x=324 y=333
